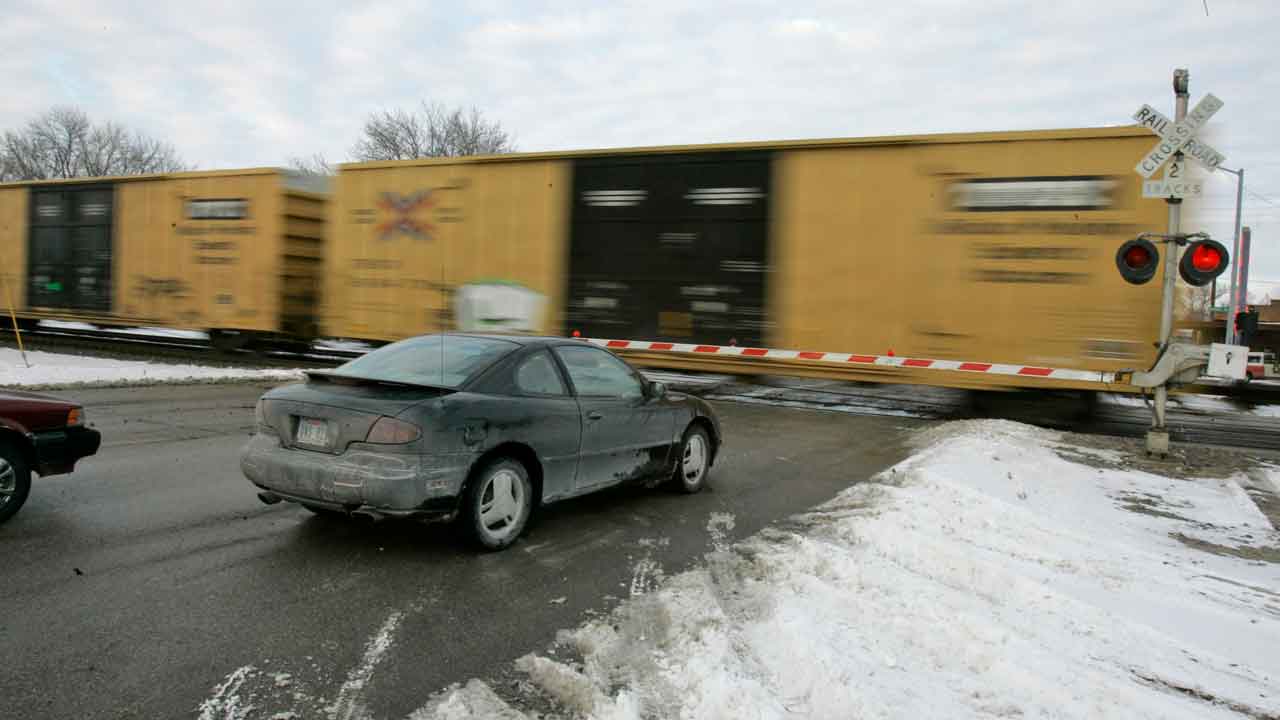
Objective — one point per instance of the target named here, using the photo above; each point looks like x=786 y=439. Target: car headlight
x=75 y=418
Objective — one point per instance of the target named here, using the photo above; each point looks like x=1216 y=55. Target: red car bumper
x=58 y=450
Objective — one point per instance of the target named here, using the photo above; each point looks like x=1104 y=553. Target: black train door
x=670 y=247
x=69 y=258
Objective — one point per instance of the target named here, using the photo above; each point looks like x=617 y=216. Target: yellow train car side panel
x=406 y=237
x=997 y=252
x=13 y=248
x=200 y=251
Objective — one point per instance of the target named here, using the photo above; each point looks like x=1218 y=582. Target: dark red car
x=38 y=434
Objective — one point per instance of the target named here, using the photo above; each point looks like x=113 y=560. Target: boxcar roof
x=1117 y=131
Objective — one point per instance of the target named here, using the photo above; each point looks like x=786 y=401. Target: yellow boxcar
x=237 y=252
x=406 y=236
x=988 y=248
x=983 y=247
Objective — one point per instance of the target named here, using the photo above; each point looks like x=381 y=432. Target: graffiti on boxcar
x=151 y=287
x=416 y=215
x=401 y=213
x=215 y=251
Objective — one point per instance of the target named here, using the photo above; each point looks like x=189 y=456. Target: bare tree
x=315 y=164
x=434 y=131
x=63 y=143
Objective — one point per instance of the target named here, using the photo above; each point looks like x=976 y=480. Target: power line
x=1263 y=198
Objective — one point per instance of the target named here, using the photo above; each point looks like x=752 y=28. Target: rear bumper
x=381 y=483
x=58 y=450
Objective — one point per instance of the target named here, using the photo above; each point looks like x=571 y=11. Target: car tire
x=498 y=503
x=15 y=479
x=694 y=461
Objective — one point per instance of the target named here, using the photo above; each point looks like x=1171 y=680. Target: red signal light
x=1137 y=259
x=1205 y=258
x=1203 y=261
x=1137 y=256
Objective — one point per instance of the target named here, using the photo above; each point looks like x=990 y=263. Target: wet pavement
x=153 y=581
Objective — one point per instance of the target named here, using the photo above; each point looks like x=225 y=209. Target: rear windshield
x=438 y=360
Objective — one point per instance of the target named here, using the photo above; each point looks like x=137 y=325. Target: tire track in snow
x=647 y=574
x=226 y=702
x=719 y=525
x=349 y=704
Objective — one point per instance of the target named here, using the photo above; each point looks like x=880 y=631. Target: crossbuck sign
x=1174 y=138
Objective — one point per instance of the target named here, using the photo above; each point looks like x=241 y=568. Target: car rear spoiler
x=338 y=378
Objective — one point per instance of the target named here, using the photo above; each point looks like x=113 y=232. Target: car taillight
x=75 y=418
x=389 y=431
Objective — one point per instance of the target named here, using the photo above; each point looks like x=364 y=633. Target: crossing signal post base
x=1158 y=443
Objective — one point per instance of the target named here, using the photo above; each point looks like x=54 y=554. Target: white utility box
x=1227 y=361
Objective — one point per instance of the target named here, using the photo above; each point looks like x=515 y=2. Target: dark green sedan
x=482 y=428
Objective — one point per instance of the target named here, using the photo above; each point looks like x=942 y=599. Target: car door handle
x=595 y=415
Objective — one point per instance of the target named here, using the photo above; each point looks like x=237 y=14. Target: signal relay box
x=1227 y=361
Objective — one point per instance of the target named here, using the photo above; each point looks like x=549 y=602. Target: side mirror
x=657 y=390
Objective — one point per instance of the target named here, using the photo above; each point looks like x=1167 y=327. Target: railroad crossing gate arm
x=1183 y=363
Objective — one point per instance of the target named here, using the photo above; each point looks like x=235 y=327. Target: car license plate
x=313 y=432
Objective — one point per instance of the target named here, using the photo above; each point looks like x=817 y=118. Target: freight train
x=980 y=248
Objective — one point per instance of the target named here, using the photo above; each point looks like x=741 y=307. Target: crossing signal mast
x=1202 y=259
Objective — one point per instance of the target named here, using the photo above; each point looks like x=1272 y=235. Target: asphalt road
x=152 y=581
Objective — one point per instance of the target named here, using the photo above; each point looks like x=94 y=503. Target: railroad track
x=131 y=346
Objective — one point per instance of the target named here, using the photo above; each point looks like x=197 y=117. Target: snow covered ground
x=50 y=370
x=997 y=573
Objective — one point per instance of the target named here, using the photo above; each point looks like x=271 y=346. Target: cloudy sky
x=242 y=84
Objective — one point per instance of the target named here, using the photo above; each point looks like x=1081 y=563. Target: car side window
x=598 y=373
x=538 y=375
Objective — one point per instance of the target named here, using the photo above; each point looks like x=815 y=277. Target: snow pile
x=987 y=576
x=57 y=370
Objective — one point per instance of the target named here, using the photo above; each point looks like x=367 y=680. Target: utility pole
x=1234 y=305
x=1158 y=435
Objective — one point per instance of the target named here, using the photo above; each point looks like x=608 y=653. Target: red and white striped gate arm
x=847 y=358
